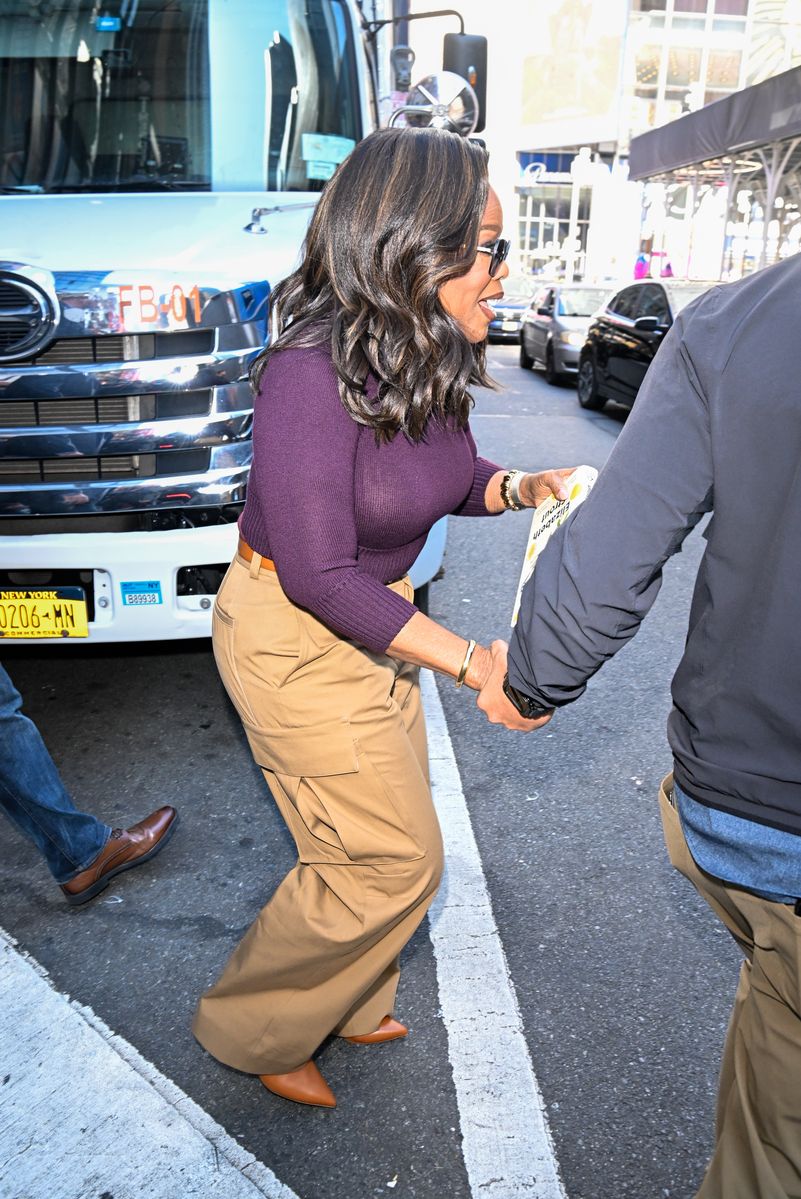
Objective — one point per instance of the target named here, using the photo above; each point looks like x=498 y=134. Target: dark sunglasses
x=499 y=250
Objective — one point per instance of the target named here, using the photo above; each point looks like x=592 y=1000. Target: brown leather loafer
x=304 y=1085
x=125 y=848
x=388 y=1030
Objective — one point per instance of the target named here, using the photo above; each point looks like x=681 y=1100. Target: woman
x=361 y=441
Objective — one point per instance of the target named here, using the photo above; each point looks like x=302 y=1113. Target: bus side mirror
x=465 y=54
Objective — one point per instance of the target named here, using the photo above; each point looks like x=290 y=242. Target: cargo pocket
x=337 y=792
x=395 y=839
x=314 y=751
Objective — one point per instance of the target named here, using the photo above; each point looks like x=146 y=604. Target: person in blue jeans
x=82 y=852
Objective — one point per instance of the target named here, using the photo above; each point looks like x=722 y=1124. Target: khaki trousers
x=758 y=1129
x=339 y=734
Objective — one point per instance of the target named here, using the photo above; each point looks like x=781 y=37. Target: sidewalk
x=84 y=1116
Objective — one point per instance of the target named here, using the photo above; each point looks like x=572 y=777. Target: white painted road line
x=507 y=1145
x=82 y=1113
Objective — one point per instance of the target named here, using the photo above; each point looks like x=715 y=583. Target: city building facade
x=571 y=82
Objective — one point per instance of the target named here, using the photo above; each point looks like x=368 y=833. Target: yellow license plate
x=43 y=612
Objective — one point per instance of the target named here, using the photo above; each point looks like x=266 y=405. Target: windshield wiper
x=22 y=189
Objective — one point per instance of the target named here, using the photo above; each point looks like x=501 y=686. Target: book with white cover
x=547 y=517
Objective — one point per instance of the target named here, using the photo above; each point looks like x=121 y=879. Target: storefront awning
x=764 y=114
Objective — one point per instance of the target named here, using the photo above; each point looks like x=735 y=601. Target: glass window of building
x=544 y=223
x=648 y=60
x=683 y=66
x=723 y=69
x=729 y=25
x=681 y=9
x=689 y=53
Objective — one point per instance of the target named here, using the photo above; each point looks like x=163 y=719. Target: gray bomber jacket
x=716 y=427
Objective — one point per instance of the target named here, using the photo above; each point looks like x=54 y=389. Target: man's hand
x=534 y=488
x=492 y=701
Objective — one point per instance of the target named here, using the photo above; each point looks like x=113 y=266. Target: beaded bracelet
x=510 y=490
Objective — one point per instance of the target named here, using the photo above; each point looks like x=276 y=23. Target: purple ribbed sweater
x=340 y=515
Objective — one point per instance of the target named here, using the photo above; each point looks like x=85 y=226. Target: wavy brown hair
x=399 y=217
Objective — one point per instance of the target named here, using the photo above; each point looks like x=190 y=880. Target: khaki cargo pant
x=758 y=1128
x=339 y=734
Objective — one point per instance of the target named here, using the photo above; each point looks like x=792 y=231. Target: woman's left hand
x=534 y=488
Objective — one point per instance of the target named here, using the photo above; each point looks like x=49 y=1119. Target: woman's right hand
x=493 y=702
x=425 y=643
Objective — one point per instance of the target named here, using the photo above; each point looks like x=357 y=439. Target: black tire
x=525 y=361
x=421 y=598
x=587 y=386
x=552 y=375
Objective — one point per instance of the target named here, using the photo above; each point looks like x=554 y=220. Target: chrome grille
x=25 y=317
x=9 y=295
x=85 y=470
x=103 y=410
x=25 y=414
x=118 y=347
x=77 y=351
x=76 y=470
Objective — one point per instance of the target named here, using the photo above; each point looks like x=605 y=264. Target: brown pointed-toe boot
x=304 y=1085
x=388 y=1030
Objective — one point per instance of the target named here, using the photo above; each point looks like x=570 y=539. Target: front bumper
x=130 y=559
x=566 y=358
x=128 y=570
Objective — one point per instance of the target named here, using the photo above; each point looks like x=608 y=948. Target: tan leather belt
x=244 y=551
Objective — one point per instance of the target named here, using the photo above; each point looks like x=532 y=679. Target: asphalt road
x=623 y=980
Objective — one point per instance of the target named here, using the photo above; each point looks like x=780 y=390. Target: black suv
x=624 y=337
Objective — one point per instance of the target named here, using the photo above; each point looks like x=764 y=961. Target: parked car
x=555 y=325
x=517 y=291
x=624 y=337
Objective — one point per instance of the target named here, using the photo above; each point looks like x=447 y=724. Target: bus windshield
x=152 y=95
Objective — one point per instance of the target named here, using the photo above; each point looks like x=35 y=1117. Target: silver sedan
x=555 y=325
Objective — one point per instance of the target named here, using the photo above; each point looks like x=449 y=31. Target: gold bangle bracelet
x=460 y=678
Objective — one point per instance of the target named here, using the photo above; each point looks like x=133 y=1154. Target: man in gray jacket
x=716 y=427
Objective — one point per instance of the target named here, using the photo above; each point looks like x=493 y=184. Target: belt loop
x=255 y=565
